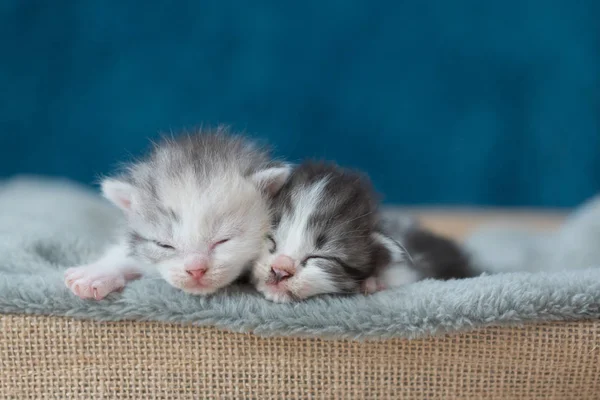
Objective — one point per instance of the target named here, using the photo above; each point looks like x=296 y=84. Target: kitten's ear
x=271 y=180
x=119 y=193
x=394 y=251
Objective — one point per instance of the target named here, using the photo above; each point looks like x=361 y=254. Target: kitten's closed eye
x=348 y=269
x=164 y=245
x=273 y=247
x=318 y=257
x=220 y=242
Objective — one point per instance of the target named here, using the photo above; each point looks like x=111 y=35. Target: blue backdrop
x=462 y=101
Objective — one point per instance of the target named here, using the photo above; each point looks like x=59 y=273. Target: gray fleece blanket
x=48 y=225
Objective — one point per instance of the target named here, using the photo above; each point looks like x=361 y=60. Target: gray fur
x=432 y=255
x=46 y=226
x=196 y=158
x=342 y=222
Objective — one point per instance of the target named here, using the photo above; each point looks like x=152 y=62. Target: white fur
x=272 y=179
x=119 y=193
x=292 y=235
x=108 y=274
x=397 y=273
x=312 y=281
x=397 y=252
x=228 y=206
x=309 y=281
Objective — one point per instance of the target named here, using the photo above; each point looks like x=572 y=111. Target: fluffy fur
x=47 y=226
x=326 y=237
x=320 y=240
x=423 y=255
x=196 y=210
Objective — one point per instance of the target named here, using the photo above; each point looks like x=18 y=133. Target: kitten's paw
x=278 y=298
x=275 y=296
x=372 y=285
x=93 y=282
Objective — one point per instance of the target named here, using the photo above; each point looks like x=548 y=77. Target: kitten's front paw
x=278 y=297
x=93 y=282
x=372 y=285
x=274 y=295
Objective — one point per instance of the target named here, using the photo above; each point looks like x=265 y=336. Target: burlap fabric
x=54 y=357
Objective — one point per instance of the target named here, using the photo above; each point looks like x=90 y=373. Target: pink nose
x=196 y=267
x=196 y=273
x=285 y=263
x=282 y=268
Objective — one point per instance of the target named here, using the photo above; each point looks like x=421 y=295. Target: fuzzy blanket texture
x=48 y=225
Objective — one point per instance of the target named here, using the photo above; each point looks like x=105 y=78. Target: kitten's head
x=323 y=237
x=197 y=208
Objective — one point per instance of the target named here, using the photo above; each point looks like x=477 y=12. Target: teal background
x=441 y=102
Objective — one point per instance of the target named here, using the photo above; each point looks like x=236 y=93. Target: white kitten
x=196 y=210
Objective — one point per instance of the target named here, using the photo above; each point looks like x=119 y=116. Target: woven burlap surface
x=54 y=357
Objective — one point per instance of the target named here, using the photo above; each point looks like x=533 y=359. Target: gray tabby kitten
x=327 y=237
x=197 y=211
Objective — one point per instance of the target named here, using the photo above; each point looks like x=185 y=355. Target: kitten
x=326 y=237
x=197 y=211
